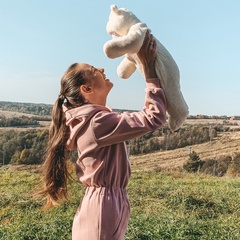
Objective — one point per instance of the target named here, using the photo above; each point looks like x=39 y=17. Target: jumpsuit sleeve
x=112 y=127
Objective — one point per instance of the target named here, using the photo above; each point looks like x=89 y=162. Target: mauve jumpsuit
x=103 y=165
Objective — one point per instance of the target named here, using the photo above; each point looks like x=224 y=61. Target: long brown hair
x=55 y=169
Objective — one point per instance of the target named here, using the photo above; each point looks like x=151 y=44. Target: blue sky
x=40 y=39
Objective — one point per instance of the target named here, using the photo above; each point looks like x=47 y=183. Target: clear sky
x=40 y=39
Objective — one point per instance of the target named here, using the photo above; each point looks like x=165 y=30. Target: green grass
x=163 y=206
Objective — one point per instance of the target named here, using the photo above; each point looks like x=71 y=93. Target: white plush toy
x=128 y=34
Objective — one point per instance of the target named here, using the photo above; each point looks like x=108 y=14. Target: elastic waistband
x=105 y=190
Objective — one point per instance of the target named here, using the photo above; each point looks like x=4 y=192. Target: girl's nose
x=101 y=70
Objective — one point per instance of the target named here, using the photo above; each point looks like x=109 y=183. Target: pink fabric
x=99 y=136
x=103 y=214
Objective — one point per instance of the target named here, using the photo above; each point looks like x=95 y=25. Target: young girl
x=81 y=121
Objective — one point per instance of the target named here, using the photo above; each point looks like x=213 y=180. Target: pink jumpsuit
x=103 y=166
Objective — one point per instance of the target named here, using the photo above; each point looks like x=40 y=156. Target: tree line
x=18 y=121
x=23 y=147
x=29 y=146
x=40 y=109
x=164 y=139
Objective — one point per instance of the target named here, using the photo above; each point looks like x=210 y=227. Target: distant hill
x=32 y=108
x=45 y=110
x=160 y=150
x=226 y=144
x=29 y=108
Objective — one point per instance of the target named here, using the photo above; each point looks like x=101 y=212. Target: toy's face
x=119 y=22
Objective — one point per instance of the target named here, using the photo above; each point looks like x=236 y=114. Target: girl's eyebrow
x=93 y=69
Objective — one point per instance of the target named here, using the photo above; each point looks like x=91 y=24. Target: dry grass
x=10 y=114
x=225 y=144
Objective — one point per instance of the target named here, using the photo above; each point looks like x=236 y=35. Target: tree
x=194 y=163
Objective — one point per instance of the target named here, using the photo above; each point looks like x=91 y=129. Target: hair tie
x=61 y=97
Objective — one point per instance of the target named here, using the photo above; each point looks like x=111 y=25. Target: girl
x=81 y=121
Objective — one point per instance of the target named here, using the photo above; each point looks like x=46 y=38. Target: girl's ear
x=85 y=89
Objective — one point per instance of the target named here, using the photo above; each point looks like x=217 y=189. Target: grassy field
x=163 y=206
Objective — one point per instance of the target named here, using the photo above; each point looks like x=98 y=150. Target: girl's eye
x=94 y=71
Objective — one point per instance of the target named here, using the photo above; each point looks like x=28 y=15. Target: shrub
x=216 y=167
x=194 y=163
x=234 y=167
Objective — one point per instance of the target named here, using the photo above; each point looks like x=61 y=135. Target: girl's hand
x=147 y=55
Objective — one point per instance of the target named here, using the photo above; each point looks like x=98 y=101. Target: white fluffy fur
x=128 y=34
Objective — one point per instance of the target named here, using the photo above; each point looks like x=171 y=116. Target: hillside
x=225 y=144
x=10 y=114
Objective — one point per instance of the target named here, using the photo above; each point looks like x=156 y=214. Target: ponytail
x=55 y=167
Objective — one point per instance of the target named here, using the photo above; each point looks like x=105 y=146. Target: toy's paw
x=107 y=49
x=176 y=123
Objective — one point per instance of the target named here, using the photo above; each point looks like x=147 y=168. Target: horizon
x=123 y=109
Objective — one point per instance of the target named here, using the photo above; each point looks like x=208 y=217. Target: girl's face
x=96 y=83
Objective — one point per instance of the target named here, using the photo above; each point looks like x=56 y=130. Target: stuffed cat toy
x=128 y=34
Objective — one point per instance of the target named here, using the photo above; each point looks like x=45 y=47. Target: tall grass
x=163 y=206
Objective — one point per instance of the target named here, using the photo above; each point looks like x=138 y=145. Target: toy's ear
x=114 y=8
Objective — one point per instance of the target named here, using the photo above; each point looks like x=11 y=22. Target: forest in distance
x=24 y=136
x=41 y=109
